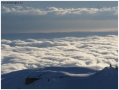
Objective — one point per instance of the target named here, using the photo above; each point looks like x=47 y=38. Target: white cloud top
x=67 y=51
x=59 y=11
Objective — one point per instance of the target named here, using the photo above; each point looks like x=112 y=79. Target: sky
x=59 y=16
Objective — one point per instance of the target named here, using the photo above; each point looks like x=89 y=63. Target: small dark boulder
x=62 y=76
x=48 y=79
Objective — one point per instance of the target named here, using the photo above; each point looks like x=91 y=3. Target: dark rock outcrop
x=31 y=80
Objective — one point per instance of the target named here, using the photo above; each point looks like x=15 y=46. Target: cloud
x=67 y=51
x=19 y=10
x=34 y=20
x=59 y=11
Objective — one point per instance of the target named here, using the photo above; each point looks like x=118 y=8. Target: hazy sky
x=59 y=16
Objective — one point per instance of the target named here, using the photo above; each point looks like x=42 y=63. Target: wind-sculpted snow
x=61 y=78
x=68 y=51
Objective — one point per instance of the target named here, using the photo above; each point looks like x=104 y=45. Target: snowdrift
x=61 y=78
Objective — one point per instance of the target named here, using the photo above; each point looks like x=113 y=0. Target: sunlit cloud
x=23 y=11
x=59 y=11
x=67 y=51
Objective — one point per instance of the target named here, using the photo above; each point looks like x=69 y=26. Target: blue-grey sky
x=59 y=16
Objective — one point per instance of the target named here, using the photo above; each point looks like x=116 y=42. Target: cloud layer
x=67 y=51
x=59 y=11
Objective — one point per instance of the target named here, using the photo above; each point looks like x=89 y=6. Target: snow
x=62 y=78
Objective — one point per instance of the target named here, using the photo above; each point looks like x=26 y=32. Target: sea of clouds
x=67 y=51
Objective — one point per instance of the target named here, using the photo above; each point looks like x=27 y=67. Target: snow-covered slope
x=61 y=78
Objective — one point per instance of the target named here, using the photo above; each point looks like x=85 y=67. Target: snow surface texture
x=91 y=51
x=62 y=78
